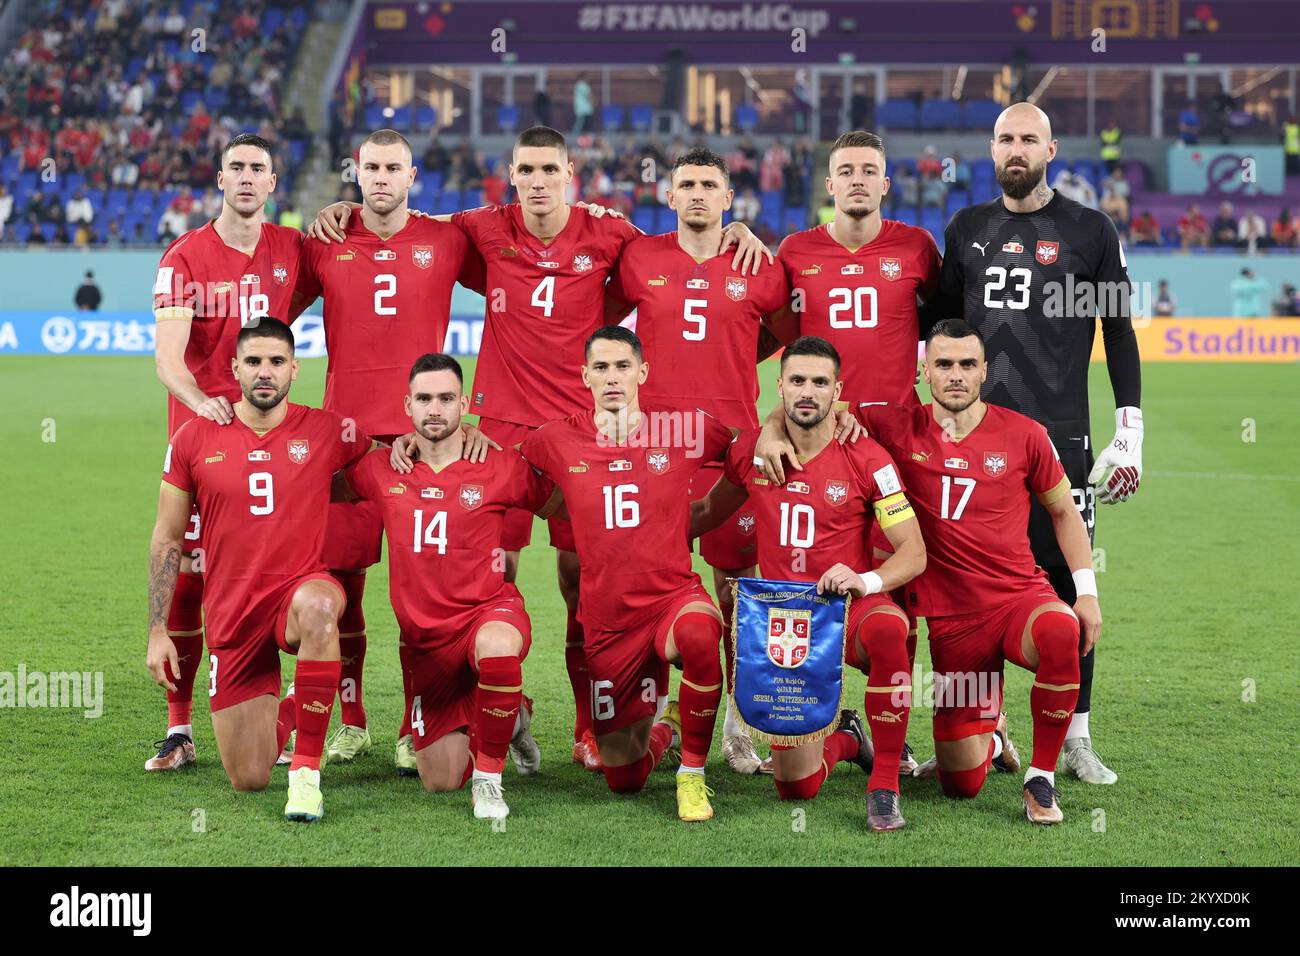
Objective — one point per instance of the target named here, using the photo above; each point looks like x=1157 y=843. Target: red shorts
x=517 y=531
x=440 y=668
x=354 y=531
x=626 y=669
x=967 y=652
x=244 y=661
x=731 y=545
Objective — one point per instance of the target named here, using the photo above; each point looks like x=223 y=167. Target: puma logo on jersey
x=579 y=469
x=657 y=280
x=214 y=459
x=981 y=248
x=812 y=271
x=397 y=489
x=345 y=256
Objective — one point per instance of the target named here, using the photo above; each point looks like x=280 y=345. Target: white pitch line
x=1220 y=476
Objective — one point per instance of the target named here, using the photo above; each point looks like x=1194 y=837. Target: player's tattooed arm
x=1072 y=537
x=164 y=566
x=716 y=507
x=749 y=248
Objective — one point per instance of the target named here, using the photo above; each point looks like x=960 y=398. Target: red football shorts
x=967 y=652
x=440 y=666
x=626 y=672
x=244 y=659
x=730 y=546
x=353 y=534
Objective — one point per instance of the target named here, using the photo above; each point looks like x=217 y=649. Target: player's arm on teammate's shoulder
x=330 y=222
x=171 y=336
x=165 y=547
x=749 y=248
x=717 y=506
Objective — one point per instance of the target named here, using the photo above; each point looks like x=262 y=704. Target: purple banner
x=1141 y=32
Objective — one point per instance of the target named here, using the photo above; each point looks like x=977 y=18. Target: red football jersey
x=543 y=301
x=822 y=515
x=864 y=303
x=217 y=289
x=387 y=302
x=444 y=530
x=263 y=500
x=698 y=323
x=629 y=506
x=972 y=499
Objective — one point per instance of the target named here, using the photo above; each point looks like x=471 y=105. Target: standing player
x=972 y=469
x=699 y=323
x=387 y=296
x=806 y=530
x=1032 y=271
x=464 y=630
x=624 y=472
x=547 y=265
x=210 y=282
x=261 y=483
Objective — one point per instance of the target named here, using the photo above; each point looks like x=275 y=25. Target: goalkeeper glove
x=1118 y=469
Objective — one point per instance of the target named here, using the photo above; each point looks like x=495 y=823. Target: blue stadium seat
x=73 y=182
x=446 y=202
x=26 y=182
x=940 y=114
x=980 y=114
x=896 y=114
x=298 y=20
x=1090 y=171
x=189 y=100
x=47 y=230
x=508 y=117
x=643 y=217
x=796 y=218
x=905 y=214
x=933 y=220
x=52 y=186
x=22 y=231
x=432 y=181
x=611 y=117
x=297 y=150
x=401 y=119
x=9 y=166
x=272 y=19
x=957 y=199
x=746 y=118
x=142 y=202
x=426 y=118
x=375 y=118
x=96 y=197
x=641 y=117
x=133 y=68
x=165 y=197
x=471 y=199
x=117 y=201
x=772 y=215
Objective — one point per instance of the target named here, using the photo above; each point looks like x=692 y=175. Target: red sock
x=185 y=627
x=314 y=687
x=575 y=662
x=285 y=719
x=889 y=694
x=696 y=635
x=352 y=649
x=728 y=651
x=1056 y=684
x=805 y=788
x=965 y=784
x=404 y=655
x=661 y=735
x=840 y=745
x=631 y=777
x=496 y=707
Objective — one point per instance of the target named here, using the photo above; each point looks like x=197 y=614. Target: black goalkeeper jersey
x=1033 y=284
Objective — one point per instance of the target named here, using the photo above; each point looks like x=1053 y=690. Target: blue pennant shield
x=789 y=653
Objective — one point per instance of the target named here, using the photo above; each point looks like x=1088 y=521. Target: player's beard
x=956 y=405
x=265 y=404
x=859 y=212
x=1019 y=182
x=435 y=432
x=385 y=204
x=807 y=424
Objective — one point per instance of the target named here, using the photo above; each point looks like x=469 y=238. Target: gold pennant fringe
x=781 y=740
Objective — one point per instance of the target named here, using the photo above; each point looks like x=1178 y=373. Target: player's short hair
x=248 y=139
x=542 y=136
x=614 y=333
x=700 y=156
x=814 y=346
x=954 y=329
x=436 y=362
x=387 y=137
x=856 y=138
x=265 y=327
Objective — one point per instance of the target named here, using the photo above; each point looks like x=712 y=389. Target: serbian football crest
x=746 y=524
x=582 y=263
x=995 y=463
x=735 y=288
x=837 y=492
x=298 y=450
x=657 y=460
x=788 y=635
x=1046 y=252
x=279 y=273
x=891 y=269
x=471 y=496
x=422 y=256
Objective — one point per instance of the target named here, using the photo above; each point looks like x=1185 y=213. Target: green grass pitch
x=1195 y=705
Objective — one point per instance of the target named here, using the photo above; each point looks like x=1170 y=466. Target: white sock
x=997 y=747
x=484 y=775
x=313 y=778
x=186 y=729
x=730 y=725
x=685 y=769
x=661 y=704
x=1033 y=772
x=1078 y=725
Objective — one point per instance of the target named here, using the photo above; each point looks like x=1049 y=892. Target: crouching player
x=262 y=484
x=971 y=469
x=805 y=529
x=624 y=472
x=464 y=630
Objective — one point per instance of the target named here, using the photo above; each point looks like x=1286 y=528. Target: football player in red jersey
x=972 y=469
x=387 y=293
x=212 y=280
x=806 y=530
x=624 y=472
x=546 y=261
x=464 y=629
x=700 y=323
x=261 y=482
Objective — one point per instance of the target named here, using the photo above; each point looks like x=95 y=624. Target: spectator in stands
x=125 y=172
x=582 y=105
x=1252 y=232
x=291 y=217
x=174 y=24
x=61 y=236
x=1192 y=229
x=905 y=190
x=88 y=295
x=1189 y=125
x=1111 y=146
x=495 y=187
x=138 y=236
x=960 y=173
x=826 y=211
x=772 y=174
x=1117 y=182
x=1248 y=295
x=174 y=222
x=1074 y=186
x=933 y=191
x=542 y=107
x=796 y=192
x=78 y=209
x=37 y=237
x=436 y=158
x=6 y=206
x=1284 y=230
x=800 y=93
x=860 y=108
x=1165 y=304
x=113 y=238
x=210 y=203
x=1287 y=304
x=1224 y=230
x=1115 y=206
x=746 y=207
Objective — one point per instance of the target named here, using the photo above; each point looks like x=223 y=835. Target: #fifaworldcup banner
x=789 y=644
